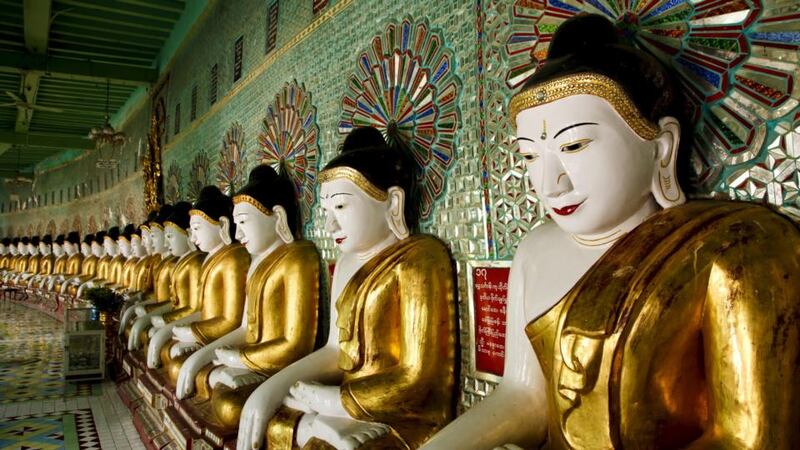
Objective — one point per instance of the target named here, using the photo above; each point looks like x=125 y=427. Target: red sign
x=489 y=292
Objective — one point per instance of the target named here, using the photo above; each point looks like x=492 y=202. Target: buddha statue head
x=597 y=125
x=14 y=247
x=33 y=245
x=22 y=246
x=124 y=241
x=265 y=211
x=157 y=242
x=175 y=226
x=365 y=192
x=46 y=245
x=110 y=241
x=4 y=244
x=210 y=219
x=97 y=244
x=137 y=245
x=71 y=243
x=86 y=245
x=145 y=229
x=58 y=246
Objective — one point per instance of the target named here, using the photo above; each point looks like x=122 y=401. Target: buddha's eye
x=530 y=157
x=575 y=146
x=339 y=206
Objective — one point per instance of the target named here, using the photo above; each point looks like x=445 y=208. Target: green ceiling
x=61 y=54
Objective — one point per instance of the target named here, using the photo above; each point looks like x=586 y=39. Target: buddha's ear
x=225 y=230
x=282 y=224
x=395 y=214
x=666 y=189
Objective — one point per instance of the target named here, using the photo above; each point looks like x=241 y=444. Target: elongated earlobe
x=282 y=225
x=666 y=189
x=225 y=230
x=395 y=216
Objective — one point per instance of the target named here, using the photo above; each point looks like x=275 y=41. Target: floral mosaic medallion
x=406 y=81
x=231 y=166
x=737 y=62
x=289 y=141
x=199 y=177
x=173 y=189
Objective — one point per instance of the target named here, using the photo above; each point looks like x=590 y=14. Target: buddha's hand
x=184 y=334
x=235 y=378
x=181 y=348
x=140 y=311
x=325 y=400
x=230 y=357
x=346 y=433
x=157 y=321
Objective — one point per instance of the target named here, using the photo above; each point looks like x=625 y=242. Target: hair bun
x=361 y=138
x=210 y=192
x=263 y=173
x=583 y=33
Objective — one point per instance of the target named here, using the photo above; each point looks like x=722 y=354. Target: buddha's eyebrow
x=573 y=126
x=525 y=139
x=334 y=195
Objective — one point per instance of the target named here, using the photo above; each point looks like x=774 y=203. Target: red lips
x=567 y=210
x=339 y=240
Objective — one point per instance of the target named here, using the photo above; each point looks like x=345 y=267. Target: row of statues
x=636 y=319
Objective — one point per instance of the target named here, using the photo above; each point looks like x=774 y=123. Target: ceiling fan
x=20 y=103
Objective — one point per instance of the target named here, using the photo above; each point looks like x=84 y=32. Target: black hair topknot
x=180 y=214
x=213 y=203
x=73 y=237
x=271 y=188
x=60 y=239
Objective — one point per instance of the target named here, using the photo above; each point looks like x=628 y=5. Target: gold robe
x=22 y=263
x=144 y=273
x=162 y=283
x=222 y=294
x=72 y=267
x=60 y=265
x=128 y=272
x=282 y=311
x=186 y=286
x=33 y=264
x=45 y=265
x=685 y=334
x=5 y=261
x=115 y=269
x=397 y=339
x=103 y=266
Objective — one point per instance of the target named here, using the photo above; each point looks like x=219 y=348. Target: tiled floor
x=38 y=410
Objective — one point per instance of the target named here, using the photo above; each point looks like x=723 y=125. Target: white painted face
x=157 y=243
x=356 y=221
x=589 y=168
x=177 y=242
x=146 y=239
x=70 y=248
x=137 y=248
x=44 y=249
x=254 y=229
x=97 y=249
x=124 y=247
x=32 y=249
x=206 y=234
x=108 y=245
x=58 y=250
x=13 y=250
x=86 y=249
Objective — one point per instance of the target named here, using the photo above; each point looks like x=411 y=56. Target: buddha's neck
x=607 y=238
x=214 y=250
x=254 y=262
x=375 y=249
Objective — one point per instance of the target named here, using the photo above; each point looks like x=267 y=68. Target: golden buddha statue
x=6 y=254
x=281 y=307
x=32 y=263
x=101 y=265
x=173 y=237
x=651 y=322
x=60 y=261
x=387 y=376
x=222 y=281
x=88 y=267
x=46 y=258
x=72 y=262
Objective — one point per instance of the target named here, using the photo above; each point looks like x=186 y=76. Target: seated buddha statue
x=147 y=269
x=21 y=264
x=103 y=262
x=222 y=281
x=46 y=261
x=280 y=321
x=5 y=254
x=176 y=238
x=72 y=264
x=59 y=262
x=127 y=262
x=185 y=290
x=10 y=257
x=139 y=275
x=31 y=263
x=88 y=267
x=387 y=375
x=636 y=319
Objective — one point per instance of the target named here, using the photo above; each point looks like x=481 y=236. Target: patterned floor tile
x=59 y=430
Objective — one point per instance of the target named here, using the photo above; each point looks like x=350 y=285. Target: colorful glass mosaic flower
x=736 y=59
x=199 y=177
x=406 y=80
x=232 y=162
x=290 y=138
x=173 y=184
